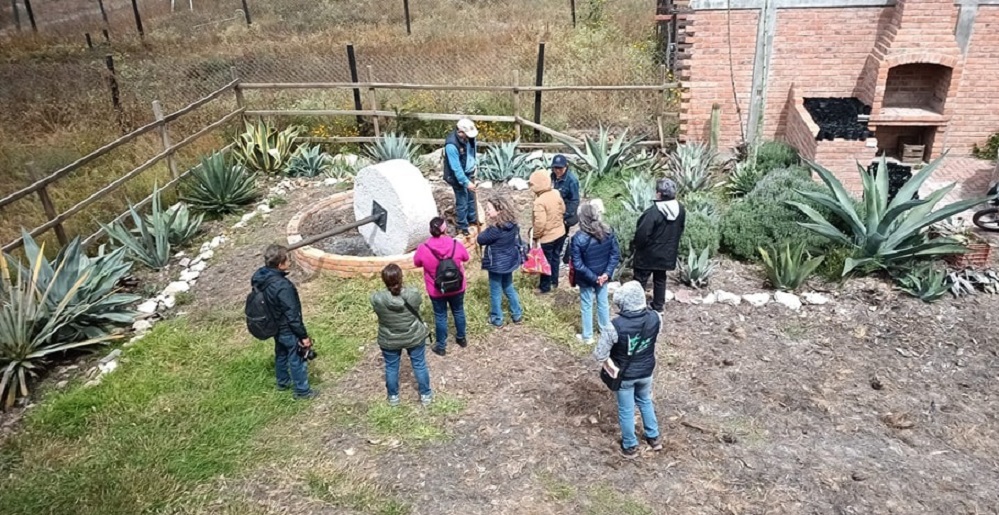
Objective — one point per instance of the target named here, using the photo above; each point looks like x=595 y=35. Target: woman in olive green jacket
x=399 y=327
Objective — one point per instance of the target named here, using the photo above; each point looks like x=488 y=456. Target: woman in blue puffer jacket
x=595 y=255
x=501 y=258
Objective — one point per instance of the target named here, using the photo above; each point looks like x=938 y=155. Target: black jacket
x=282 y=298
x=657 y=239
x=635 y=349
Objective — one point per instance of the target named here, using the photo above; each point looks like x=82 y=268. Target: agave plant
x=790 y=266
x=690 y=166
x=150 y=242
x=343 y=168
x=623 y=223
x=502 y=162
x=262 y=148
x=924 y=282
x=218 y=188
x=742 y=179
x=183 y=225
x=309 y=161
x=641 y=193
x=599 y=156
x=34 y=312
x=697 y=270
x=393 y=146
x=108 y=307
x=889 y=233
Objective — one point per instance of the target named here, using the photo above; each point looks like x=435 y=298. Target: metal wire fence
x=82 y=87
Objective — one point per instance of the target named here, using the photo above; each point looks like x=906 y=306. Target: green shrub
x=262 y=148
x=924 y=282
x=789 y=267
x=149 y=241
x=623 y=224
x=46 y=303
x=831 y=268
x=701 y=232
x=218 y=188
x=502 y=162
x=309 y=161
x=705 y=202
x=183 y=225
x=697 y=269
x=891 y=234
x=989 y=150
x=775 y=155
x=690 y=166
x=641 y=193
x=599 y=157
x=392 y=146
x=742 y=179
x=764 y=218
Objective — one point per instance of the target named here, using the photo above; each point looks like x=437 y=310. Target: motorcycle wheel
x=987 y=219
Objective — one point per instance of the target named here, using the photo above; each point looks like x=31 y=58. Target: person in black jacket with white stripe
x=657 y=241
x=286 y=308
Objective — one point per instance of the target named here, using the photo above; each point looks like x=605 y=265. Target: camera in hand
x=306 y=353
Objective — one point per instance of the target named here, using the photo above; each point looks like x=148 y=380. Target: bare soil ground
x=874 y=403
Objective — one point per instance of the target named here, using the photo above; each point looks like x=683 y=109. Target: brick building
x=926 y=70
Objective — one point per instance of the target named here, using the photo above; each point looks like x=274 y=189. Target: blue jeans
x=500 y=284
x=553 y=253
x=586 y=294
x=464 y=207
x=417 y=358
x=285 y=357
x=632 y=392
x=457 y=305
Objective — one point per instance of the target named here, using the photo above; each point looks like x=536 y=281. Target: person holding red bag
x=548 y=226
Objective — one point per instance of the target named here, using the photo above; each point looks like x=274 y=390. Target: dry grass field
x=58 y=107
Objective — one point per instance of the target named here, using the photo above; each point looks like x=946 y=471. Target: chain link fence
x=293 y=48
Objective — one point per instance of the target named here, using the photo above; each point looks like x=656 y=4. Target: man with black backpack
x=273 y=310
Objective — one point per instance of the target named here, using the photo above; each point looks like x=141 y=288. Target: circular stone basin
x=312 y=258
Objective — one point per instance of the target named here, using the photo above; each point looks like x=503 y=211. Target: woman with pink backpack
x=443 y=261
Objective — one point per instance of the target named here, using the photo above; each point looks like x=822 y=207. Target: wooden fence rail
x=55 y=220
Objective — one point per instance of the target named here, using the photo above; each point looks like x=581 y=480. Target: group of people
x=626 y=345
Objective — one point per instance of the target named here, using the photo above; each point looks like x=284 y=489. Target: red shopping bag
x=537 y=263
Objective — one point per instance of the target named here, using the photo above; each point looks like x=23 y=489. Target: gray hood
x=630 y=297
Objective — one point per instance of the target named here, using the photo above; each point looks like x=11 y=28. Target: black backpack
x=448 y=277
x=259 y=320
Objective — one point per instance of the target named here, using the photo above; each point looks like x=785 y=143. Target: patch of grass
x=189 y=403
x=343 y=490
x=795 y=330
x=411 y=422
x=556 y=489
x=603 y=499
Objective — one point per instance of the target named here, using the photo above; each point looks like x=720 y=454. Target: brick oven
x=924 y=71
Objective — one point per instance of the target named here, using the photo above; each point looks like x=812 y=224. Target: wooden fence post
x=240 y=101
x=16 y=13
x=107 y=37
x=246 y=13
x=115 y=95
x=90 y=42
x=516 y=104
x=352 y=63
x=538 y=80
x=374 y=100
x=138 y=19
x=572 y=6
x=405 y=8
x=165 y=137
x=48 y=206
x=31 y=15
x=104 y=13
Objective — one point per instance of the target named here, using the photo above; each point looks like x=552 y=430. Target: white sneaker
x=588 y=341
